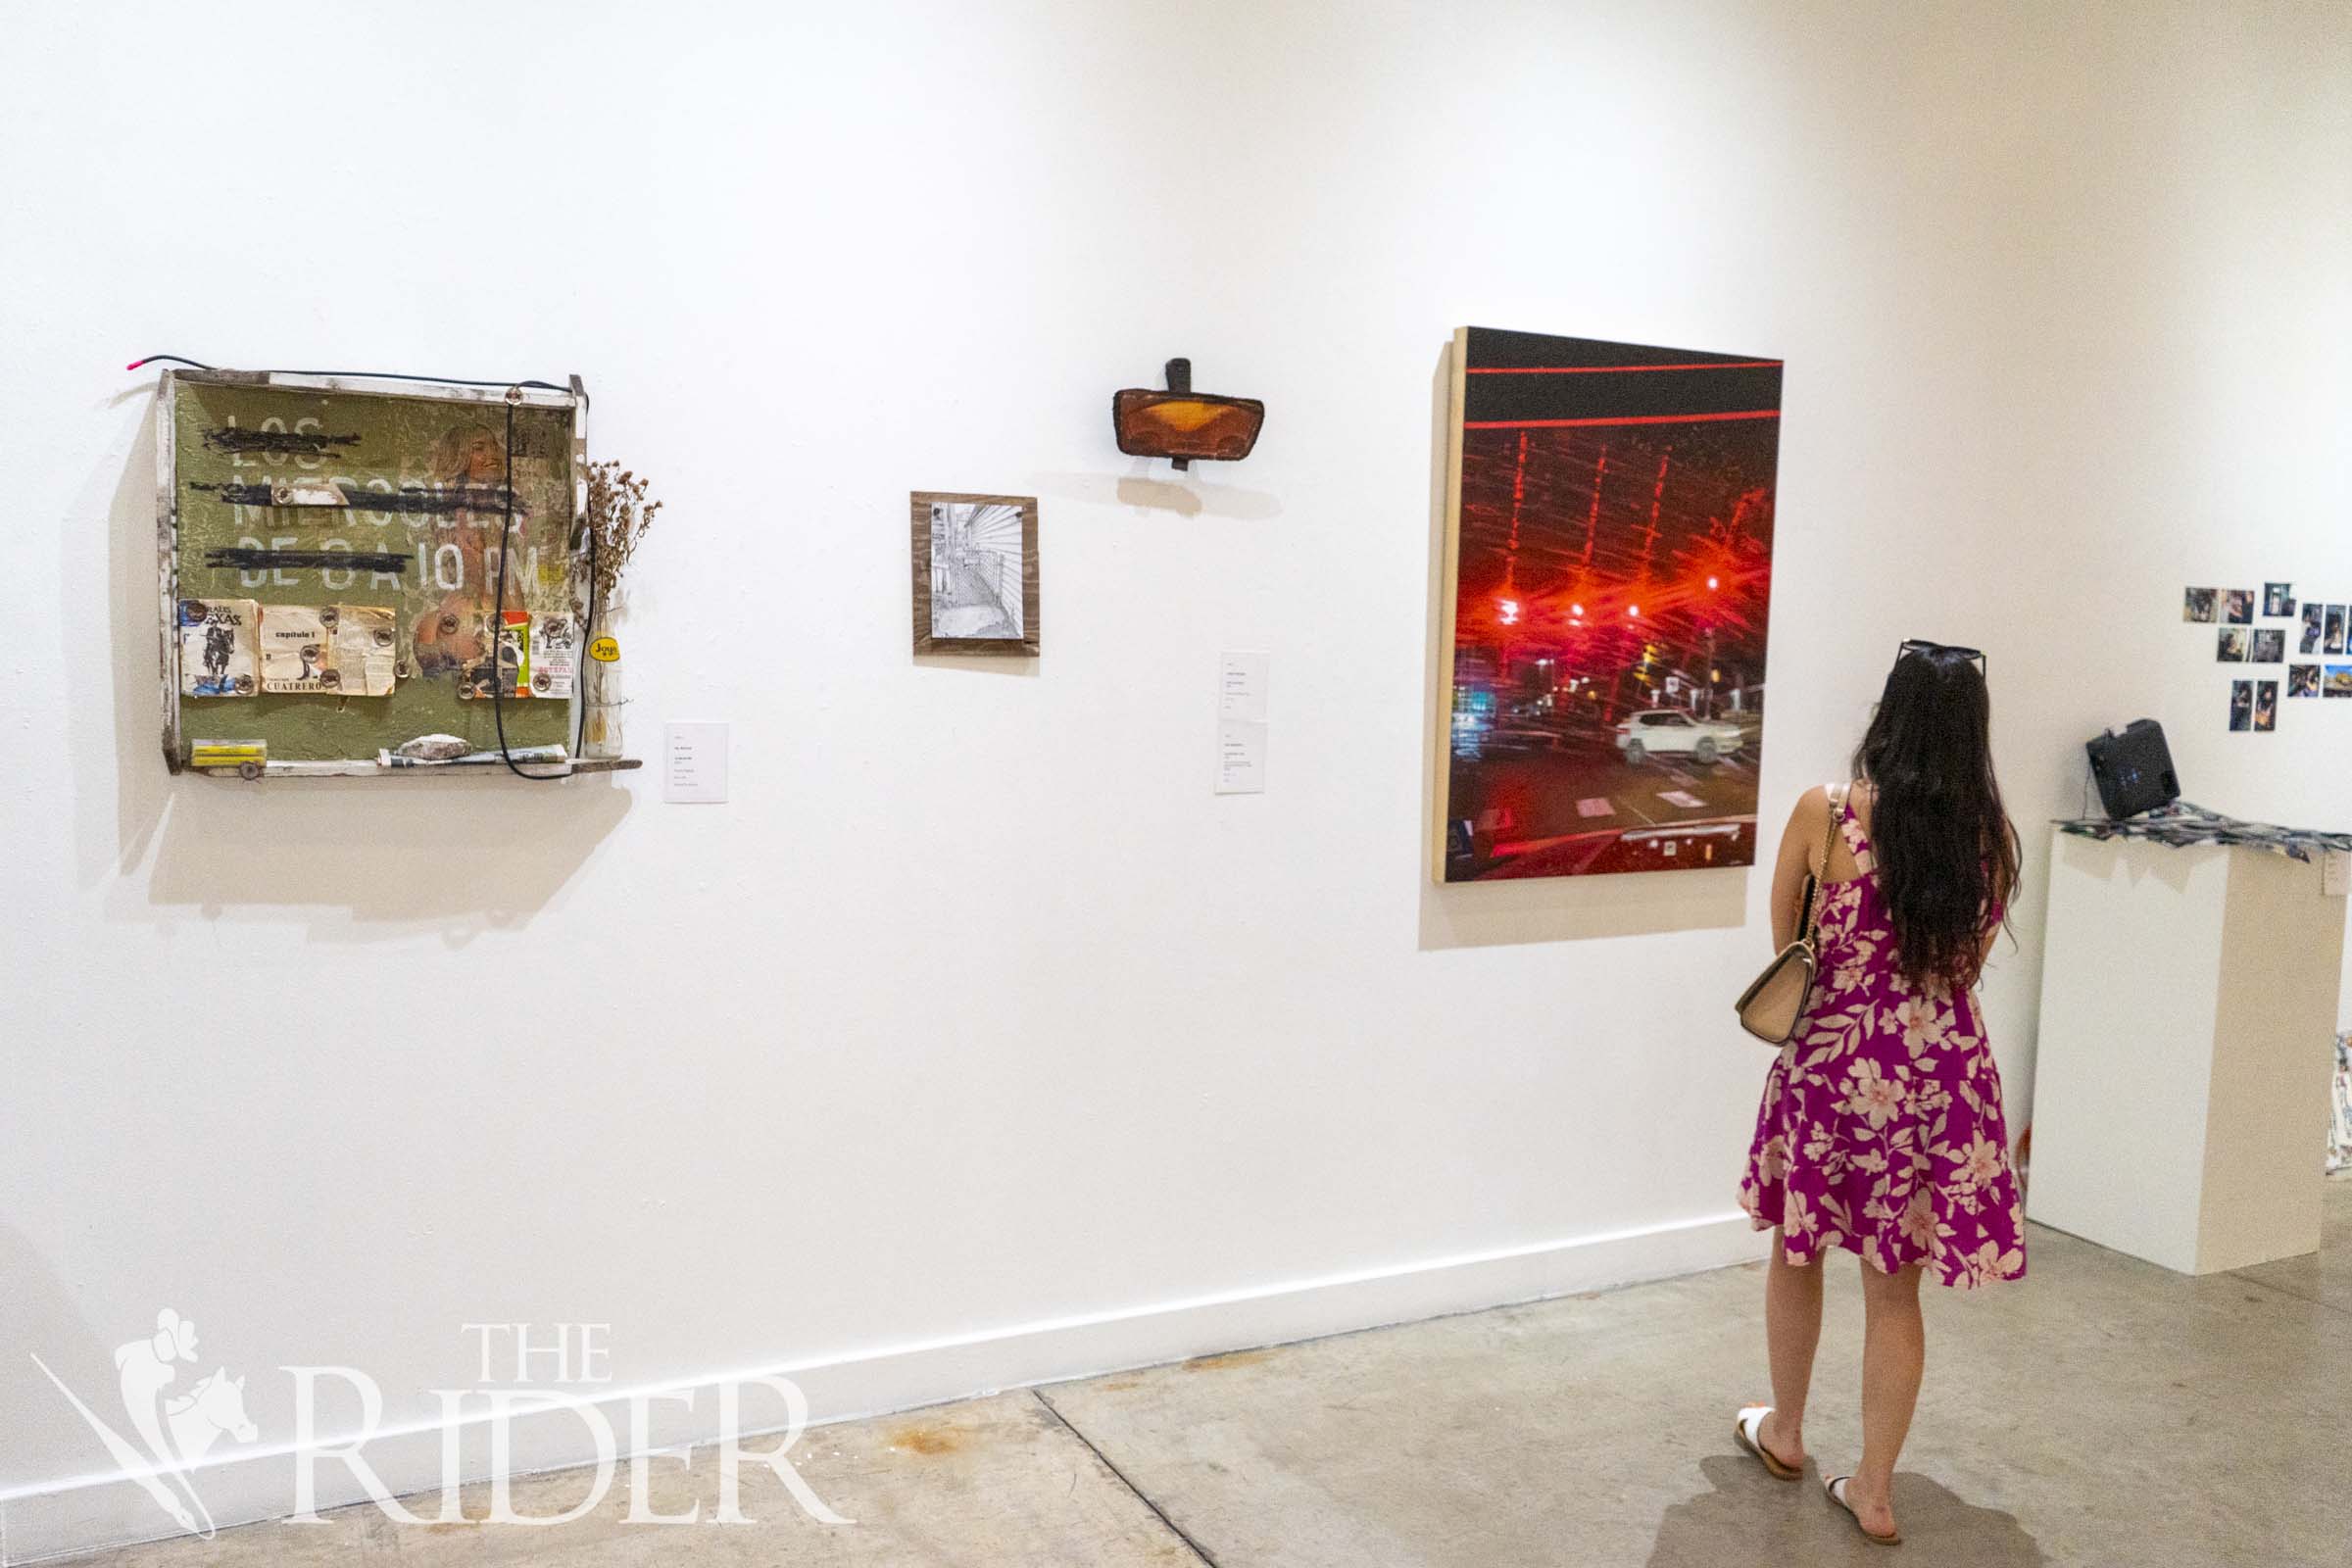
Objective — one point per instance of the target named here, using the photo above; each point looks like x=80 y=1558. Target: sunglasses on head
x=1920 y=645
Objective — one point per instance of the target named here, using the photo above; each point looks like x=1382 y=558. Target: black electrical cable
x=498 y=626
x=580 y=644
x=363 y=376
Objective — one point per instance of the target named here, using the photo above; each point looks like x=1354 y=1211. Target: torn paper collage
x=218 y=651
x=532 y=656
x=236 y=648
x=555 y=655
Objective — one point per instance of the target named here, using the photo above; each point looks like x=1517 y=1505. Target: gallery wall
x=974 y=1039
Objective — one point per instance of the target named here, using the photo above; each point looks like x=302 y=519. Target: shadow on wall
x=1750 y=1517
x=1552 y=909
x=1140 y=491
x=462 y=854
x=44 y=1318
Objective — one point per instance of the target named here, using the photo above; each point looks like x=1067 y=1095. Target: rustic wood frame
x=919 y=504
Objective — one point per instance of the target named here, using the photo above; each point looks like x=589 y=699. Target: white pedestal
x=2182 y=1077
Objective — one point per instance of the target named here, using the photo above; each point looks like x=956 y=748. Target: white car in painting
x=1670 y=730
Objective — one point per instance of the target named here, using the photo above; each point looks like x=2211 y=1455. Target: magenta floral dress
x=1881 y=1130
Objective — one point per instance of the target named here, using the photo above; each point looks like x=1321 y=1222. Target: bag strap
x=1836 y=794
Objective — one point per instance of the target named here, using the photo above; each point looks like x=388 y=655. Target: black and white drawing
x=976 y=570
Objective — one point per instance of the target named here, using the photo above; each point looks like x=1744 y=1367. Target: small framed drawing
x=976 y=573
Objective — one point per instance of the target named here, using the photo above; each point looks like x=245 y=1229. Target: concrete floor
x=2105 y=1412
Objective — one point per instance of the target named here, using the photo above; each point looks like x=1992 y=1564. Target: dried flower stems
x=617 y=517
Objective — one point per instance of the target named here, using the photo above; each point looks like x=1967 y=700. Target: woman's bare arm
x=2001 y=894
x=1808 y=822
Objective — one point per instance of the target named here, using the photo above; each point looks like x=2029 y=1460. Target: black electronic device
x=2133 y=769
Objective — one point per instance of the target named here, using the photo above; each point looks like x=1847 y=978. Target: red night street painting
x=1609 y=569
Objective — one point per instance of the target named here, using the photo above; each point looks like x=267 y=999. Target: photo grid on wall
x=2308 y=641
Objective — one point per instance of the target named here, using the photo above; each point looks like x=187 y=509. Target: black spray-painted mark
x=245 y=558
x=489 y=502
x=232 y=438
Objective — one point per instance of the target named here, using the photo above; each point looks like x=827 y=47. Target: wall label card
x=1241 y=723
x=694 y=764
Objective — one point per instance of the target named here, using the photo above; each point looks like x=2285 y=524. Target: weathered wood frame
x=919 y=504
x=166 y=513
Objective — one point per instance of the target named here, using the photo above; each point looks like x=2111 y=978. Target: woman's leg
x=1894 y=1353
x=1791 y=1331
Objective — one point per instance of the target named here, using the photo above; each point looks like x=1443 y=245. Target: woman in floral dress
x=1881 y=1130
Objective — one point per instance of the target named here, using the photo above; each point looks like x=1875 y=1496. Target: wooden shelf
x=355 y=769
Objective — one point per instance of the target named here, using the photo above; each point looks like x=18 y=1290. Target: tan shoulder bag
x=1772 y=1006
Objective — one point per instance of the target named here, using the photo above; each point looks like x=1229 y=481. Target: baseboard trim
x=112 y=1510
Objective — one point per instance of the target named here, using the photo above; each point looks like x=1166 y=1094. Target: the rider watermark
x=555 y=1368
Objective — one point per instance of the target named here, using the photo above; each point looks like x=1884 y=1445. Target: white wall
x=826 y=1071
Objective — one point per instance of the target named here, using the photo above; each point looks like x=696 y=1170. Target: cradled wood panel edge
x=1440 y=785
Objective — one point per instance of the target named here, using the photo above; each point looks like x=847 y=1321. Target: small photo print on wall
x=2279 y=599
x=2302 y=680
x=2241 y=704
x=2339 y=680
x=2334 y=640
x=2237 y=607
x=2229 y=648
x=2311 y=630
x=2269 y=646
x=2199 y=604
x=2266 y=706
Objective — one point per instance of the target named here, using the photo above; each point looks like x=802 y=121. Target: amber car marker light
x=1181 y=425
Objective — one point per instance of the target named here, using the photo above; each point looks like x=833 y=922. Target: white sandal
x=1836 y=1488
x=1747 y=1429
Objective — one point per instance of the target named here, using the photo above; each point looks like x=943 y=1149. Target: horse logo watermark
x=179 y=1428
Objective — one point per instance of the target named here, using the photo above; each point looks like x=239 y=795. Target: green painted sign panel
x=275 y=486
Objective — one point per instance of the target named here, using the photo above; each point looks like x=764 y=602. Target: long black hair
x=1946 y=851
